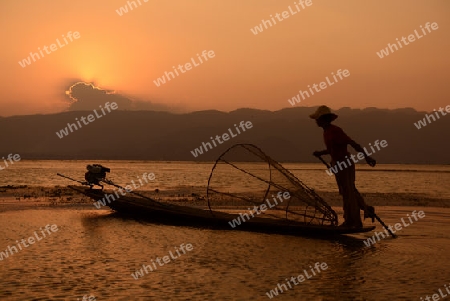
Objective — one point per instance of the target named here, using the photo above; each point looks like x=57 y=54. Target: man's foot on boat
x=351 y=226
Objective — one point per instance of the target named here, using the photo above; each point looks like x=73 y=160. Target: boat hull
x=156 y=212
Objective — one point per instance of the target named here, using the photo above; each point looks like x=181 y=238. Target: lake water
x=94 y=252
x=430 y=180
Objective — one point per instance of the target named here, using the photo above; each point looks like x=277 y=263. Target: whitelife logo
x=124 y=9
x=90 y=118
x=31 y=240
x=161 y=261
x=323 y=85
x=285 y=14
x=430 y=117
x=334 y=169
x=411 y=38
x=128 y=189
x=436 y=297
x=187 y=66
x=53 y=47
x=10 y=157
x=199 y=151
x=282 y=287
x=259 y=209
x=88 y=298
x=373 y=240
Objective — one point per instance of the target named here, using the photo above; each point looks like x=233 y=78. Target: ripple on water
x=95 y=252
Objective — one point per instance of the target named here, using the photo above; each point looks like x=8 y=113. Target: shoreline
x=24 y=197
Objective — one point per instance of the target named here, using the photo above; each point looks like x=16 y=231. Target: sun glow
x=95 y=67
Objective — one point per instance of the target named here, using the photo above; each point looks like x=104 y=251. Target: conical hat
x=322 y=111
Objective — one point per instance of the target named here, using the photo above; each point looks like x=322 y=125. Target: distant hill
x=288 y=135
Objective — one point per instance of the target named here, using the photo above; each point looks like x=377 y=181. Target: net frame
x=322 y=212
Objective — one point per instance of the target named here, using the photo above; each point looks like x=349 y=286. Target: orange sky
x=127 y=53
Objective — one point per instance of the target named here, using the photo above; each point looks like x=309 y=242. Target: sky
x=118 y=57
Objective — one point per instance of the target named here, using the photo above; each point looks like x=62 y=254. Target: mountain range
x=287 y=135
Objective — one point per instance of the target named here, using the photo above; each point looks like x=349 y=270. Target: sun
x=94 y=65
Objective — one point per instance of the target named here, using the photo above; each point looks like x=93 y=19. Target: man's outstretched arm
x=359 y=149
x=321 y=153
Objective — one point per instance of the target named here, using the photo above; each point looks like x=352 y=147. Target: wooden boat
x=154 y=211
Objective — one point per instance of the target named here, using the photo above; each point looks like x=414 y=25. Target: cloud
x=86 y=97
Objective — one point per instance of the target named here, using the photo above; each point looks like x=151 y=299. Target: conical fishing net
x=245 y=180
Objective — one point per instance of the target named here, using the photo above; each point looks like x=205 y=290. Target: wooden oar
x=82 y=183
x=109 y=182
x=374 y=214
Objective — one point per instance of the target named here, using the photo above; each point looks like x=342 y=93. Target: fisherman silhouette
x=336 y=142
x=95 y=174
